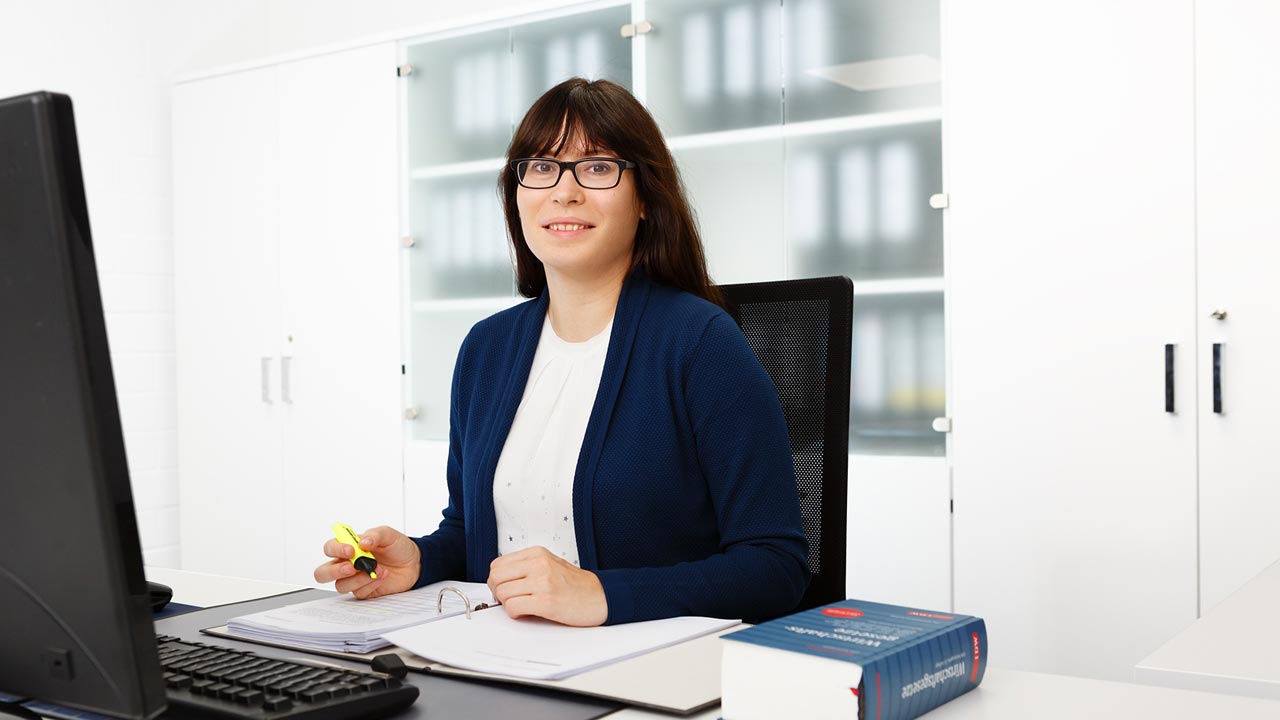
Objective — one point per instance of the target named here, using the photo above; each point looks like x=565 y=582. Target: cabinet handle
x=1217 y=378
x=1168 y=377
x=285 y=395
x=266 y=380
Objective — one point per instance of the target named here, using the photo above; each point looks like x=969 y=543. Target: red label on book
x=842 y=612
x=977 y=657
x=929 y=615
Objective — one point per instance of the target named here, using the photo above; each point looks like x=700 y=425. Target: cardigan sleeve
x=444 y=551
x=742 y=447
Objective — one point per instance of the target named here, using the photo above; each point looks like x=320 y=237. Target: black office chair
x=802 y=331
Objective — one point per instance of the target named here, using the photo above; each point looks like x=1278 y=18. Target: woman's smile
x=566 y=227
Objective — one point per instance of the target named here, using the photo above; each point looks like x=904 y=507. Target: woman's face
x=577 y=231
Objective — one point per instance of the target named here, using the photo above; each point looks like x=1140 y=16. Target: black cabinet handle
x=1217 y=378
x=1168 y=378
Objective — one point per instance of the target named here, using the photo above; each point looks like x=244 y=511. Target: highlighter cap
x=365 y=564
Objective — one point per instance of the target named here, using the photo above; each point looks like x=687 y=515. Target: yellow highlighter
x=364 y=560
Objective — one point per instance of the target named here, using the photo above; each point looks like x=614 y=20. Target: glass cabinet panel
x=588 y=45
x=808 y=136
x=461 y=247
x=436 y=334
x=899 y=372
x=858 y=203
x=854 y=57
x=459 y=98
x=858 y=188
x=734 y=191
x=463 y=99
x=713 y=64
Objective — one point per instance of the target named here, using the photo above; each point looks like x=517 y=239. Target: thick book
x=852 y=659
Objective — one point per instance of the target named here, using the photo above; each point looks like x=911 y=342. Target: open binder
x=683 y=678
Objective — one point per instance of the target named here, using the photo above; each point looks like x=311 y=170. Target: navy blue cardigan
x=684 y=498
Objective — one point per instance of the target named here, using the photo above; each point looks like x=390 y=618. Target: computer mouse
x=160 y=595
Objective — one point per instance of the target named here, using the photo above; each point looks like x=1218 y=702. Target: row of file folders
x=716 y=54
x=862 y=209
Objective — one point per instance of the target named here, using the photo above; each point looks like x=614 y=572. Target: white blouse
x=533 y=484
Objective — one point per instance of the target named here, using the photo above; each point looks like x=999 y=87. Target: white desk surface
x=203 y=590
x=1003 y=695
x=1014 y=695
x=1232 y=649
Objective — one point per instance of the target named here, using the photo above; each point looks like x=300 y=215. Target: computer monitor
x=75 y=617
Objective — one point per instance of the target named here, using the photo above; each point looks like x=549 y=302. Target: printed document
x=346 y=624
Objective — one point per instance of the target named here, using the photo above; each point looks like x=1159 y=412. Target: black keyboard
x=204 y=680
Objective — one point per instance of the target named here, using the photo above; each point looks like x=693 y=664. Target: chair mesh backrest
x=801 y=332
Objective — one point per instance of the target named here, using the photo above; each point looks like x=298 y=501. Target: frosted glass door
x=464 y=98
x=459 y=98
x=857 y=57
x=857 y=201
x=714 y=64
x=588 y=45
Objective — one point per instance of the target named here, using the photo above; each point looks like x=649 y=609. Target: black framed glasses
x=596 y=173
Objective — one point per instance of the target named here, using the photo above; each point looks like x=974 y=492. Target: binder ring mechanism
x=465 y=601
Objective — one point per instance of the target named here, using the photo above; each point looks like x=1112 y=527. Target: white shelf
x=474 y=167
x=718 y=139
x=805 y=129
x=901 y=286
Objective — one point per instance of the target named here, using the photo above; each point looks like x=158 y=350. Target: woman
x=616 y=451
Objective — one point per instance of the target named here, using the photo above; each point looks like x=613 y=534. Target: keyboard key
x=277 y=703
x=178 y=682
x=315 y=694
x=214 y=689
x=370 y=683
x=342 y=689
x=249 y=697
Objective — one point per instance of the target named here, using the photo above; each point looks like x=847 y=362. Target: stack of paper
x=492 y=642
x=346 y=624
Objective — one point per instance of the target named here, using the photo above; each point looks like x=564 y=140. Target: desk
x=1004 y=694
x=1232 y=649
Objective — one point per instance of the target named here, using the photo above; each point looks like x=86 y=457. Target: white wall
x=118 y=61
x=283 y=27
x=111 y=59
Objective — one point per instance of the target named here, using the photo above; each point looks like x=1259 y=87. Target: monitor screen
x=75 y=619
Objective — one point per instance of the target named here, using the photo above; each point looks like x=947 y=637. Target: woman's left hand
x=533 y=581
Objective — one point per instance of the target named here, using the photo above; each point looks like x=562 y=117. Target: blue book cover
x=912 y=660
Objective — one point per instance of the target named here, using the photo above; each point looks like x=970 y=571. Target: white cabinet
x=1112 y=170
x=288 y=311
x=227 y=316
x=1237 y=179
x=1071 y=264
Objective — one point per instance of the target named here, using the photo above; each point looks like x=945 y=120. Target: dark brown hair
x=605 y=116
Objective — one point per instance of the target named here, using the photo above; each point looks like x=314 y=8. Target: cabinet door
x=340 y=297
x=1238 y=172
x=227 y=321
x=1071 y=254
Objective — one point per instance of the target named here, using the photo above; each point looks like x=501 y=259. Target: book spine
x=921 y=676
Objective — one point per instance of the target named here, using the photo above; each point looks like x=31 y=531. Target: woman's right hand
x=399 y=564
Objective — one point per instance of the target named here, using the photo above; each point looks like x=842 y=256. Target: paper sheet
x=346 y=624
x=492 y=642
